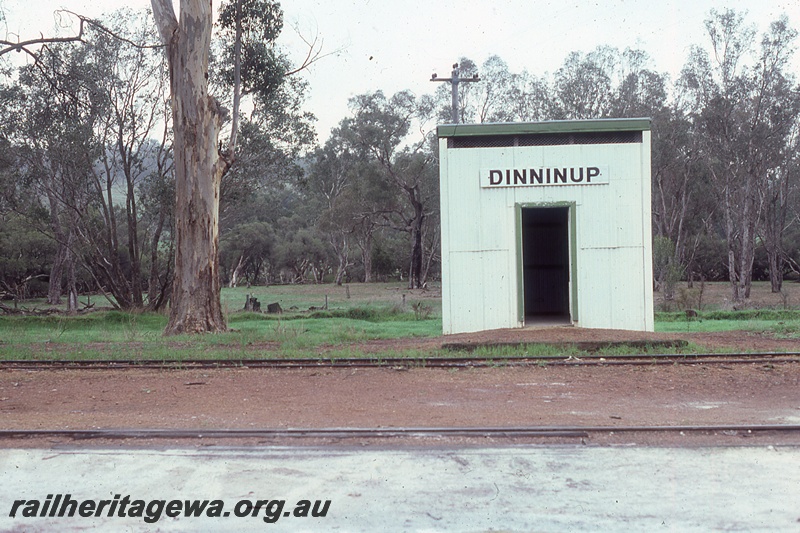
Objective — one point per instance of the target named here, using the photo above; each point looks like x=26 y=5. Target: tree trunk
x=340 y=272
x=56 y=272
x=418 y=256
x=775 y=270
x=342 y=250
x=776 y=207
x=415 y=273
x=366 y=256
x=748 y=235
x=195 y=306
x=235 y=274
x=730 y=239
x=156 y=290
x=430 y=257
x=57 y=269
x=72 y=285
x=133 y=245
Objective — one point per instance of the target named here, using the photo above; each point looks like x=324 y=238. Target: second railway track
x=393 y=433
x=392 y=362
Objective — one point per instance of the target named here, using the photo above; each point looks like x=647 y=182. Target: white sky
x=397 y=44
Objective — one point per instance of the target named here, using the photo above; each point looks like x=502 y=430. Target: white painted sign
x=543 y=176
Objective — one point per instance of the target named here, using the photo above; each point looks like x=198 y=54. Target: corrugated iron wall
x=611 y=286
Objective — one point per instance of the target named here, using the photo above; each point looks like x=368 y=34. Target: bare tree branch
x=313 y=54
x=27 y=46
x=100 y=27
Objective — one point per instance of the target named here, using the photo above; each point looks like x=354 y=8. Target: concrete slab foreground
x=569 y=488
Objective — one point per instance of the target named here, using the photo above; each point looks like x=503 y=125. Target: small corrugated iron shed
x=546 y=223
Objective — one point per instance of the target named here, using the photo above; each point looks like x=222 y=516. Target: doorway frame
x=573 y=256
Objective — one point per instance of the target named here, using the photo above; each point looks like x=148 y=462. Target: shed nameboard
x=526 y=177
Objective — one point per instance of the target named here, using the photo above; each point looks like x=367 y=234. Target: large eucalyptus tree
x=199 y=165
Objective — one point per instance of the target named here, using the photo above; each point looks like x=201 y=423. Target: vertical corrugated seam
x=447 y=319
x=573 y=275
x=647 y=231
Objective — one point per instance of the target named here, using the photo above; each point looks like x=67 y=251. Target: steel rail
x=390 y=433
x=394 y=362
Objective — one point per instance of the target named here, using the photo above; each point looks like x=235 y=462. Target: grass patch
x=368 y=314
x=105 y=326
x=568 y=350
x=119 y=335
x=777 y=328
x=623 y=350
x=302 y=298
x=354 y=314
x=525 y=350
x=738 y=316
x=782 y=323
x=789 y=330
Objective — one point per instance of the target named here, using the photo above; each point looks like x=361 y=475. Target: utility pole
x=454 y=80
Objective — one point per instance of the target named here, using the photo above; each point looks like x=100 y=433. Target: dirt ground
x=493 y=397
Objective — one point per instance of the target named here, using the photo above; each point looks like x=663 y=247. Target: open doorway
x=546 y=265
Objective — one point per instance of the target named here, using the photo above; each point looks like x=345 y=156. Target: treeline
x=726 y=179
x=86 y=177
x=87 y=188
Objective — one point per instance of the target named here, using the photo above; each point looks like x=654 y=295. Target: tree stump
x=252 y=304
x=274 y=308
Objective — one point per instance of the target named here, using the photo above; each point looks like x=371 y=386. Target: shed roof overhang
x=549 y=127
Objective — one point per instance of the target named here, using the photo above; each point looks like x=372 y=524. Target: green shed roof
x=555 y=126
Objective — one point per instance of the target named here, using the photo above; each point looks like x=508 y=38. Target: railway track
x=401 y=363
x=579 y=433
x=397 y=432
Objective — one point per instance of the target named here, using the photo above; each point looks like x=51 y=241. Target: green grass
x=780 y=329
x=548 y=350
x=737 y=316
x=316 y=331
x=119 y=335
x=373 y=311
x=104 y=326
x=782 y=323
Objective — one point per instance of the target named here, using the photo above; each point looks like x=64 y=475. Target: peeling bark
x=197 y=118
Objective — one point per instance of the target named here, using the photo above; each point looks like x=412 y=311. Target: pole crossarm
x=454 y=80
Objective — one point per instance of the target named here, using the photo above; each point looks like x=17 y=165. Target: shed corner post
x=444 y=220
